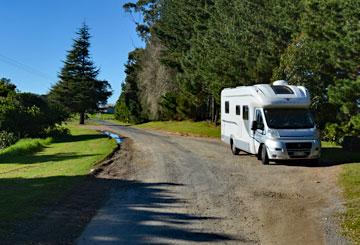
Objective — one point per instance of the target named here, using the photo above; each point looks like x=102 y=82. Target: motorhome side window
x=245 y=112
x=227 y=105
x=238 y=110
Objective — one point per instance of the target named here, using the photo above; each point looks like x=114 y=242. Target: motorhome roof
x=278 y=94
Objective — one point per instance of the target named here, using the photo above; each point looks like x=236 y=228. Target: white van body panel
x=236 y=129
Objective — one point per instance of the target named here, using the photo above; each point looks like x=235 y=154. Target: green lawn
x=101 y=116
x=350 y=182
x=35 y=173
x=203 y=129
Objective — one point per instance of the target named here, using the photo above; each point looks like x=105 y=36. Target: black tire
x=258 y=155
x=234 y=150
x=264 y=156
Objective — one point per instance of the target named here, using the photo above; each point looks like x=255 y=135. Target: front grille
x=299 y=150
x=295 y=146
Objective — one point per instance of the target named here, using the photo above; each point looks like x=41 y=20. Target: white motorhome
x=271 y=121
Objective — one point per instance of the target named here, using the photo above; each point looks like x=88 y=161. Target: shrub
x=332 y=132
x=7 y=139
x=29 y=115
x=57 y=132
x=353 y=126
x=336 y=133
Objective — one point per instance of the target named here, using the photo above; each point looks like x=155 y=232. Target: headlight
x=273 y=133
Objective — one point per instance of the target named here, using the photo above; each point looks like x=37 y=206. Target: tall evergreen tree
x=128 y=107
x=79 y=90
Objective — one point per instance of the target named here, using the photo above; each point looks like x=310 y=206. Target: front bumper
x=293 y=149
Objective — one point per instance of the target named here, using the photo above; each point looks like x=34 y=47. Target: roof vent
x=281 y=87
x=280 y=83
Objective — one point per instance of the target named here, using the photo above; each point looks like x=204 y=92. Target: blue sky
x=36 y=34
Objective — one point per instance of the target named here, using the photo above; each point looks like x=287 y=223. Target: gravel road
x=189 y=190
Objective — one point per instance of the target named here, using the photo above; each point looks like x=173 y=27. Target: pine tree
x=78 y=89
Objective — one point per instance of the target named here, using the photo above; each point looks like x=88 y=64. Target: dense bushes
x=344 y=95
x=25 y=114
x=196 y=48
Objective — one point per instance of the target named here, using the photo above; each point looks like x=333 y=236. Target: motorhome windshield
x=289 y=118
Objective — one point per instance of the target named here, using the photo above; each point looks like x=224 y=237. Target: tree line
x=194 y=49
x=78 y=91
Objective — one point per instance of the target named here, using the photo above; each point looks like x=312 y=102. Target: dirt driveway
x=188 y=190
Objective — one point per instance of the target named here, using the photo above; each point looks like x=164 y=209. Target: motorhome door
x=259 y=133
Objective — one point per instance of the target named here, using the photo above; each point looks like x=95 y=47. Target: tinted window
x=289 y=118
x=227 y=105
x=237 y=110
x=245 y=112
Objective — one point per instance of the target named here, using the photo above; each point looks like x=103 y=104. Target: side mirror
x=254 y=126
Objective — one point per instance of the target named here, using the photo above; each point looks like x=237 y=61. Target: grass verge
x=36 y=173
x=24 y=146
x=350 y=182
x=203 y=129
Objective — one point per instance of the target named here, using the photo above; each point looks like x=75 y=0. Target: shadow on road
x=140 y=213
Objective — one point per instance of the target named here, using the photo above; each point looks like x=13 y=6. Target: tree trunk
x=82 y=118
x=216 y=117
x=208 y=108
x=213 y=116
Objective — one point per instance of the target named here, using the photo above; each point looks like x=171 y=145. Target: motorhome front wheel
x=264 y=156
